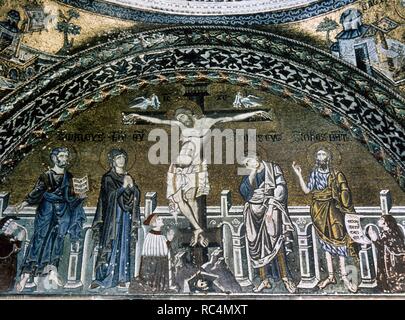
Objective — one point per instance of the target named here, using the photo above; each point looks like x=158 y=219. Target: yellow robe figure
x=331 y=200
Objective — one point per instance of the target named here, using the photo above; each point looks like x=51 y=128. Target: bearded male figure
x=331 y=200
x=59 y=213
x=268 y=226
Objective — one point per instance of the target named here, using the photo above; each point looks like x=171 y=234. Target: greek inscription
x=138 y=136
x=268 y=137
x=313 y=136
x=80 y=137
x=118 y=136
x=114 y=136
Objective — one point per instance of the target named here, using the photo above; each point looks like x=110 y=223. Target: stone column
x=150 y=203
x=236 y=250
x=226 y=229
x=4 y=197
x=385 y=201
x=367 y=254
x=308 y=254
x=85 y=278
x=94 y=261
x=74 y=269
x=240 y=257
x=150 y=206
x=368 y=268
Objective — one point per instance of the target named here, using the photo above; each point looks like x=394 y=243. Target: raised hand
x=297 y=168
x=128 y=182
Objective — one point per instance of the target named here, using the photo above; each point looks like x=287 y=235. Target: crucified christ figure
x=187 y=178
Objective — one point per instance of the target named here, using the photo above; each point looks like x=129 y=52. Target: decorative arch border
x=373 y=113
x=289 y=15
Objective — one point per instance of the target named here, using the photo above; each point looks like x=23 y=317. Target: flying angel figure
x=246 y=102
x=143 y=103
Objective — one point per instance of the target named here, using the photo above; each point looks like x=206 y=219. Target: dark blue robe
x=59 y=213
x=117 y=207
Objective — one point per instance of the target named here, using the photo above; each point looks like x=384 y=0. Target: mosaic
x=146 y=153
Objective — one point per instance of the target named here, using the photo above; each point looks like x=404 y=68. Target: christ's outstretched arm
x=132 y=117
x=244 y=116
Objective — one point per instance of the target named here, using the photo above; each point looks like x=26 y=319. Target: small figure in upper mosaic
x=143 y=103
x=250 y=101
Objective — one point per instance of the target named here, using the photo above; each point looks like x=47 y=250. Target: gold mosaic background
x=293 y=122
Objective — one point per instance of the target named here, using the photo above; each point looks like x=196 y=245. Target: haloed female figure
x=116 y=219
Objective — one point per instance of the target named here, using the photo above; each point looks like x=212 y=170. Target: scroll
x=81 y=185
x=354 y=229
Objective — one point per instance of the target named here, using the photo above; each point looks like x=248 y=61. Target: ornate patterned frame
x=372 y=112
x=313 y=9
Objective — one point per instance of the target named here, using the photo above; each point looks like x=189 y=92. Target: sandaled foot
x=289 y=285
x=263 y=285
x=350 y=286
x=329 y=280
x=19 y=287
x=21 y=284
x=54 y=277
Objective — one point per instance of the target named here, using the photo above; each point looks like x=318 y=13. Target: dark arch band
x=370 y=111
x=264 y=18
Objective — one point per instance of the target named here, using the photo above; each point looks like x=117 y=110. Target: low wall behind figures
x=293 y=135
x=305 y=262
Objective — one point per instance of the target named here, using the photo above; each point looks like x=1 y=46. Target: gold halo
x=336 y=158
x=399 y=9
x=184 y=103
x=103 y=156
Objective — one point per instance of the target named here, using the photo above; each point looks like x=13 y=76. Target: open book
x=81 y=185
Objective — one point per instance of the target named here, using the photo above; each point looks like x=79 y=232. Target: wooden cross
x=214 y=235
x=196 y=92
